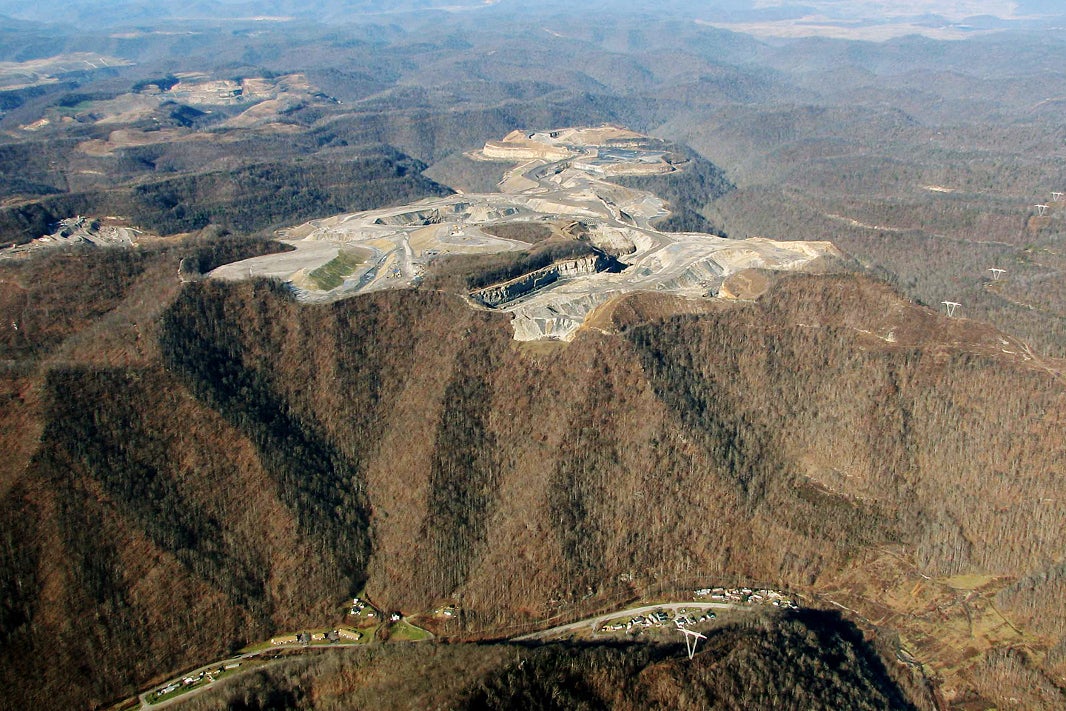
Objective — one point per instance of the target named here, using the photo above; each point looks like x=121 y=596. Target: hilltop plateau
x=558 y=187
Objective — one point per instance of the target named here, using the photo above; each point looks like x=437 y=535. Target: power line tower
x=1056 y=196
x=951 y=307
x=692 y=638
x=1041 y=210
x=997 y=273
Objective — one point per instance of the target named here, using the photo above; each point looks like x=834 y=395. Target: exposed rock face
x=560 y=321
x=500 y=294
x=525 y=150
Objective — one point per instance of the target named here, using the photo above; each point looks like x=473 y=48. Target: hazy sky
x=881 y=20
x=872 y=7
x=855 y=19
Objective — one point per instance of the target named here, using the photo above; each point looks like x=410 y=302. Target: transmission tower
x=951 y=307
x=1041 y=210
x=1056 y=196
x=692 y=638
x=997 y=273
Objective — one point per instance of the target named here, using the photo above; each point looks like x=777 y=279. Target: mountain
x=217 y=462
x=192 y=465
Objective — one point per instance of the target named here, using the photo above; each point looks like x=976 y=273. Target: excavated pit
x=508 y=292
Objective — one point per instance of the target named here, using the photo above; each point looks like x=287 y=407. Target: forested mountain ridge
x=247 y=199
x=192 y=466
x=921 y=159
x=258 y=460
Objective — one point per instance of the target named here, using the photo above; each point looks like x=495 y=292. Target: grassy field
x=404 y=631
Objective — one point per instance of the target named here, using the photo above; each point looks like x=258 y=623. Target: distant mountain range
x=858 y=20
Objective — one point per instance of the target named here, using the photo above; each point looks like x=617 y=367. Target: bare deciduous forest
x=190 y=466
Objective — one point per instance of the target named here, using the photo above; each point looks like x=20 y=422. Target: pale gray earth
x=559 y=180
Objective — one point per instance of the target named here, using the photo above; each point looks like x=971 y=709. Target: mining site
x=561 y=181
x=337 y=372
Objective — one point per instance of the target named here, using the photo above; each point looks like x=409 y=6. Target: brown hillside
x=263 y=460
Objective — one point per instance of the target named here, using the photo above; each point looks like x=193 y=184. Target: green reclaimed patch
x=332 y=274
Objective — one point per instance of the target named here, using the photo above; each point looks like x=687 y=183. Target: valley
x=649 y=623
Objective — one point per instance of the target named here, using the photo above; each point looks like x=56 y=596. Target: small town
x=364 y=620
x=746 y=595
x=681 y=618
x=205 y=676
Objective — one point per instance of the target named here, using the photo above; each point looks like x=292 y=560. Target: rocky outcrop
x=508 y=291
x=558 y=321
x=524 y=150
